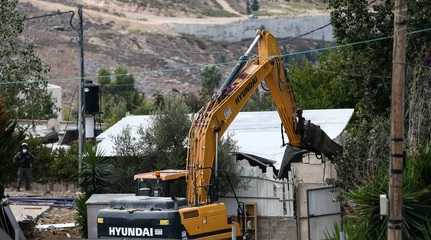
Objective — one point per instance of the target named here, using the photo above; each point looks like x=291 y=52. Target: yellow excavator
x=153 y=215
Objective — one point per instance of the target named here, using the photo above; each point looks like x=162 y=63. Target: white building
x=56 y=95
x=259 y=133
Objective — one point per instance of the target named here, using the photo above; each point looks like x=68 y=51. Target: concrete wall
x=281 y=27
x=309 y=174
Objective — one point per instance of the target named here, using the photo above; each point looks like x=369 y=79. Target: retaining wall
x=281 y=27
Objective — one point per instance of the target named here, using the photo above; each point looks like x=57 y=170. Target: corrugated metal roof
x=255 y=132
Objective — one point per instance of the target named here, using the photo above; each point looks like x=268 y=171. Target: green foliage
x=325 y=85
x=193 y=102
x=160 y=146
x=229 y=171
x=50 y=165
x=352 y=232
x=254 y=5
x=416 y=201
x=119 y=96
x=129 y=161
x=259 y=102
x=164 y=140
x=95 y=171
x=123 y=79
x=81 y=214
x=21 y=70
x=104 y=76
x=366 y=150
x=353 y=21
x=210 y=80
x=10 y=139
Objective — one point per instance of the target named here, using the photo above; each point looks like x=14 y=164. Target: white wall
x=263 y=190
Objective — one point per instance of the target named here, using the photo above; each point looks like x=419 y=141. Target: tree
x=254 y=5
x=356 y=21
x=104 y=76
x=123 y=79
x=10 y=140
x=164 y=140
x=210 y=80
x=129 y=160
x=247 y=7
x=22 y=72
x=229 y=172
x=326 y=84
x=259 y=102
x=119 y=96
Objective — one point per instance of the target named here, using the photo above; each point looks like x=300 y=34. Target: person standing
x=23 y=159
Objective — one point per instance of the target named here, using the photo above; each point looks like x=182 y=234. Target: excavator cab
x=163 y=183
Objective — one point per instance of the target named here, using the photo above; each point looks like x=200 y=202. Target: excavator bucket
x=291 y=155
x=313 y=139
x=316 y=140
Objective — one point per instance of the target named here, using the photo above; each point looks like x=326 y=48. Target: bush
x=95 y=171
x=59 y=165
x=81 y=214
x=416 y=202
x=9 y=141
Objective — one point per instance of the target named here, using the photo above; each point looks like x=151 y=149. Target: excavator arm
x=214 y=118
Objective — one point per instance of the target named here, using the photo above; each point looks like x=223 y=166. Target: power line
x=50 y=15
x=311 y=31
x=321 y=27
x=349 y=44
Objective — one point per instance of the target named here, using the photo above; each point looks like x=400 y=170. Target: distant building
x=56 y=94
x=259 y=133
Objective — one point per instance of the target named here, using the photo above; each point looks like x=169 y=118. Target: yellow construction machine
x=199 y=215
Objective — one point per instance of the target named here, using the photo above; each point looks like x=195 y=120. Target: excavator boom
x=215 y=117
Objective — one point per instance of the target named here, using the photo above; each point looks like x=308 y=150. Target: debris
x=59 y=226
x=43 y=201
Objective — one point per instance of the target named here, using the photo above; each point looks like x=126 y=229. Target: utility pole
x=397 y=122
x=81 y=104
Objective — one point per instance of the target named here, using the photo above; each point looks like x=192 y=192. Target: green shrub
x=81 y=214
x=365 y=216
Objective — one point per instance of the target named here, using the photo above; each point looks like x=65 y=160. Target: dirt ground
x=55 y=216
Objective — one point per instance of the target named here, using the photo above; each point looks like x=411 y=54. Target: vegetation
x=81 y=214
x=22 y=73
x=365 y=222
x=164 y=140
x=210 y=80
x=95 y=172
x=254 y=5
x=229 y=172
x=10 y=139
x=119 y=96
x=345 y=78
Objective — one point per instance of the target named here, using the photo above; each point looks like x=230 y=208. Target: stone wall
x=276 y=228
x=281 y=27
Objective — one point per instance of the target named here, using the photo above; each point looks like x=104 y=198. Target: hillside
x=160 y=59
